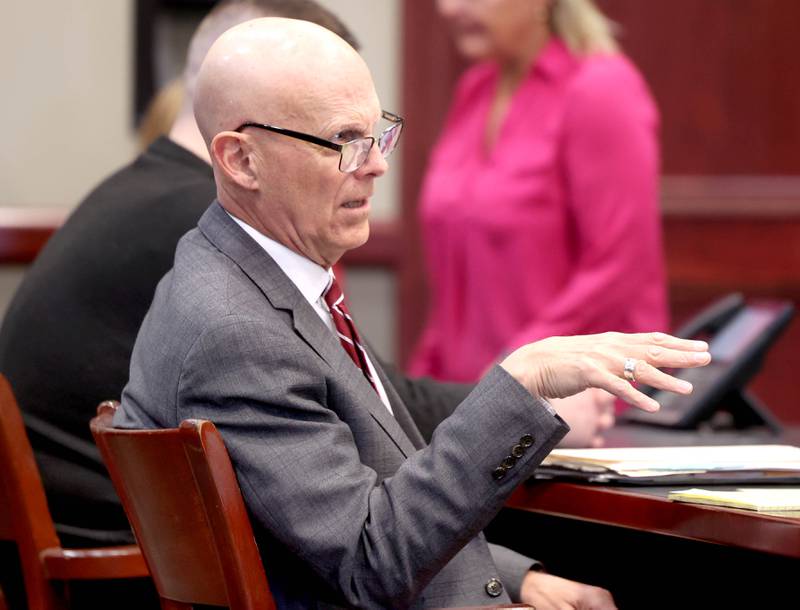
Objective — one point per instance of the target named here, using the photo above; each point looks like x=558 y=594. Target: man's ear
x=231 y=154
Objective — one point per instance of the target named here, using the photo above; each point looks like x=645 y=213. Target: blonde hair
x=584 y=29
x=161 y=113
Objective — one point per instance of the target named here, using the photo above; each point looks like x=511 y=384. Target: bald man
x=250 y=330
x=67 y=337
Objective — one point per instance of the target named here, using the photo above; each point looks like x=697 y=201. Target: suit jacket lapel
x=282 y=294
x=399 y=408
x=308 y=324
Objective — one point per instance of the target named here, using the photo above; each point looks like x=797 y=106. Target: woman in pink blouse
x=540 y=204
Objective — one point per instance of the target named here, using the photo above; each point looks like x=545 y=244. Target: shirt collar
x=310 y=278
x=554 y=59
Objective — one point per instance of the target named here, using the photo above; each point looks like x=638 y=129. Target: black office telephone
x=739 y=335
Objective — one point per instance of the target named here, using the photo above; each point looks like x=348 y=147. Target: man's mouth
x=357 y=203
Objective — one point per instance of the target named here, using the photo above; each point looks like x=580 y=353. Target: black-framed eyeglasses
x=352 y=154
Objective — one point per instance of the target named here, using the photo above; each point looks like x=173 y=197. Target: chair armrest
x=94 y=564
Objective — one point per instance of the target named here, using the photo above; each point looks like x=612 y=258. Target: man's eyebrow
x=361 y=126
x=358 y=128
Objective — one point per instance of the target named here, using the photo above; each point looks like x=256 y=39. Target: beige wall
x=66 y=102
x=67 y=79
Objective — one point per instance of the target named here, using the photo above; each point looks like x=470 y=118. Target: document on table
x=667 y=465
x=770 y=499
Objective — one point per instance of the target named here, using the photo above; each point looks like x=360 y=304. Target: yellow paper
x=758 y=499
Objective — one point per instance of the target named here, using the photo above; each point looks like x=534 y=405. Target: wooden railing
x=24 y=231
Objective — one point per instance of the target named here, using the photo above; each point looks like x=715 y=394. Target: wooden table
x=652 y=552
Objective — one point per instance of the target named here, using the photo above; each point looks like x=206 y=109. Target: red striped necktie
x=348 y=335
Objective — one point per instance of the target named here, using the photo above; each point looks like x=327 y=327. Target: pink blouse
x=556 y=229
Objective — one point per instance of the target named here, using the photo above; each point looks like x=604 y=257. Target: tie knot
x=333 y=295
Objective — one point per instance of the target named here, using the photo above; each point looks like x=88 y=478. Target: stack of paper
x=724 y=462
x=762 y=500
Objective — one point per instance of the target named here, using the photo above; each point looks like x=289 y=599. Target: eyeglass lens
x=355 y=153
x=387 y=141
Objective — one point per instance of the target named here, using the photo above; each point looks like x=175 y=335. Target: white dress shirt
x=312 y=280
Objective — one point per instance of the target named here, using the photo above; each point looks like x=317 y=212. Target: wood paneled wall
x=430 y=68
x=24 y=231
x=726 y=79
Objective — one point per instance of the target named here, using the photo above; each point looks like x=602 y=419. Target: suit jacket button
x=498 y=473
x=518 y=451
x=526 y=441
x=508 y=462
x=494 y=587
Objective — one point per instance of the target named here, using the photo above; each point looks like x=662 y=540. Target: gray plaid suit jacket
x=350 y=505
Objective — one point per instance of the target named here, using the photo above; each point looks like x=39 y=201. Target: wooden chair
x=183 y=500
x=25 y=520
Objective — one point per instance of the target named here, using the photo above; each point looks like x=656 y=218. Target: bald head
x=229 y=13
x=272 y=70
x=225 y=15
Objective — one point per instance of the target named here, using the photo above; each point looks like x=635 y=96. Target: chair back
x=24 y=515
x=183 y=500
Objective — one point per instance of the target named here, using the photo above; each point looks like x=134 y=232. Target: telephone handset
x=739 y=334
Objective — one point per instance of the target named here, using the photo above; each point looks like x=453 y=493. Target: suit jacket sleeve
x=512 y=567
x=429 y=401
x=375 y=540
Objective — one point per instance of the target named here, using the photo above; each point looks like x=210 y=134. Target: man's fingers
x=672 y=358
x=598 y=599
x=605 y=421
x=644 y=373
x=623 y=389
x=648 y=374
x=548 y=592
x=668 y=341
x=603 y=401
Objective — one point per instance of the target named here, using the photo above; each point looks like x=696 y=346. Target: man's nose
x=375 y=164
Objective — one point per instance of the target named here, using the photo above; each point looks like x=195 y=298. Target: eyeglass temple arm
x=294 y=134
x=391 y=117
